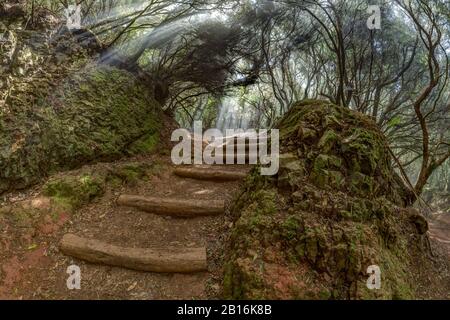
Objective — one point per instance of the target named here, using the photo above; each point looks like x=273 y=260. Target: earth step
x=173 y=207
x=210 y=173
x=170 y=259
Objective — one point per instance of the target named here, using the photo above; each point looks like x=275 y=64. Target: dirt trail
x=440 y=229
x=36 y=269
x=32 y=265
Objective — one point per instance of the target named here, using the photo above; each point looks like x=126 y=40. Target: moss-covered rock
x=96 y=113
x=74 y=191
x=343 y=141
x=79 y=187
x=334 y=208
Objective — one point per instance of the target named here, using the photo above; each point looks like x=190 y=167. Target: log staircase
x=163 y=259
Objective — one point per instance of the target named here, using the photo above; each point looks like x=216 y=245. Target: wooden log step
x=247 y=139
x=241 y=147
x=234 y=158
x=171 y=259
x=210 y=173
x=173 y=207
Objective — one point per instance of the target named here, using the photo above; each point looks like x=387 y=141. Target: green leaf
x=32 y=247
x=394 y=121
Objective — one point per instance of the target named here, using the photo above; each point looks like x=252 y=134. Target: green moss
x=327 y=179
x=328 y=141
x=239 y=283
x=227 y=282
x=146 y=144
x=128 y=173
x=22 y=218
x=73 y=191
x=291 y=227
x=361 y=184
x=327 y=162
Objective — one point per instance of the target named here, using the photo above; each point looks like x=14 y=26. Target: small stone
x=132 y=286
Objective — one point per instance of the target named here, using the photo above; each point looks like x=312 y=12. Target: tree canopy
x=269 y=54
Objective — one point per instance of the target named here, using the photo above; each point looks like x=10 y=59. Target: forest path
x=32 y=265
x=104 y=231
x=440 y=229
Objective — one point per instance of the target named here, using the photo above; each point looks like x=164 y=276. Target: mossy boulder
x=75 y=188
x=334 y=209
x=343 y=141
x=95 y=112
x=74 y=191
